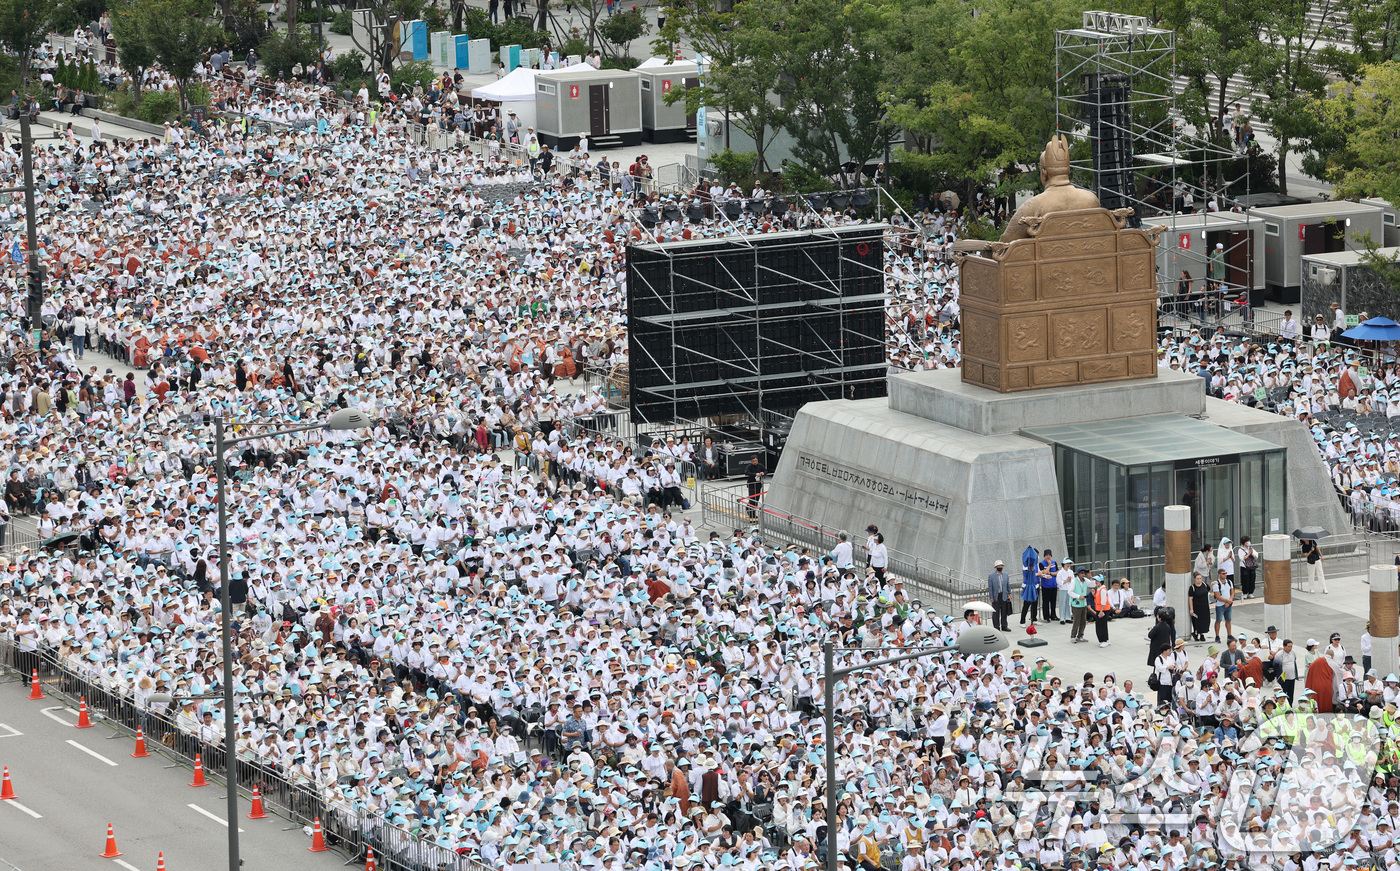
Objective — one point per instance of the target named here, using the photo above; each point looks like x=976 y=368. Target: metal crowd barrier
x=395 y=849
x=13 y=542
x=727 y=506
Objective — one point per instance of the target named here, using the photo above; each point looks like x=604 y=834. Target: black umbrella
x=58 y=541
x=1310 y=533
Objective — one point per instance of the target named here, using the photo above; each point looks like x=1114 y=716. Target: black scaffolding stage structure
x=755 y=325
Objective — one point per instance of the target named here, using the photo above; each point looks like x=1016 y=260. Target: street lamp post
x=34 y=271
x=969 y=642
x=343 y=419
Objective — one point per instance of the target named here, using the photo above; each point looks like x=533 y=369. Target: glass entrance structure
x=1116 y=477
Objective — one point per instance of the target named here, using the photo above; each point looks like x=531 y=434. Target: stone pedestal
x=941 y=395
x=960 y=499
x=940 y=465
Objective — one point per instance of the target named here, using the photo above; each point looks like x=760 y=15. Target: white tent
x=515 y=91
x=653 y=62
x=518 y=84
x=517 y=88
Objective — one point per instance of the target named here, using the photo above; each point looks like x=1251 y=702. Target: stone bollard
x=1385 y=620
x=1177 y=526
x=1278 y=586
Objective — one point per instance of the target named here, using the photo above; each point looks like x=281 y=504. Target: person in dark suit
x=753 y=474
x=1158 y=639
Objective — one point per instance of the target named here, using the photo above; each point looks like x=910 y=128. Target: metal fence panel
x=728 y=506
x=395 y=849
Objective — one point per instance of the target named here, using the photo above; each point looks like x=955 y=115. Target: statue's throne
x=1075 y=303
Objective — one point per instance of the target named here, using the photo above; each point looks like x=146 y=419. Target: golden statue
x=1068 y=296
x=1059 y=194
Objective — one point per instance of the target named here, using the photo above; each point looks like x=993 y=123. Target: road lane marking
x=49 y=712
x=127 y=865
x=93 y=753
x=196 y=808
x=10 y=731
x=14 y=804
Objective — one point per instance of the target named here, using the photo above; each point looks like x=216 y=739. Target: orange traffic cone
x=257 y=813
x=83 y=721
x=369 y=860
x=160 y=862
x=198 y=772
x=318 y=840
x=35 y=690
x=140 y=745
x=111 y=852
x=7 y=789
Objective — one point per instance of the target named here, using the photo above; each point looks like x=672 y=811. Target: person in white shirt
x=1319 y=331
x=79 y=330
x=843 y=554
x=1288 y=330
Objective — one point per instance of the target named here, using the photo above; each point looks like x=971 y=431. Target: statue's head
x=1054 y=160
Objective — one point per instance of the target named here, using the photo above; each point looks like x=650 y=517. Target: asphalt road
x=70 y=783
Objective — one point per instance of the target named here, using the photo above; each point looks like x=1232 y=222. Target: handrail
x=731 y=505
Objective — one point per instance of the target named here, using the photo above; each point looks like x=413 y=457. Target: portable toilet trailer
x=1187 y=248
x=662 y=122
x=1388 y=222
x=1292 y=231
x=606 y=105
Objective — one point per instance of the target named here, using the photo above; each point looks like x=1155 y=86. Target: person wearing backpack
x=1223 y=593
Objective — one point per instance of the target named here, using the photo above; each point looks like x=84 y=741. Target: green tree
x=1365 y=117
x=743 y=67
x=24 y=25
x=246 y=26
x=1290 y=66
x=1215 y=42
x=282 y=50
x=920 y=39
x=714 y=35
x=1375 y=29
x=69 y=15
x=619 y=30
x=973 y=99
x=134 y=52
x=831 y=76
x=178 y=33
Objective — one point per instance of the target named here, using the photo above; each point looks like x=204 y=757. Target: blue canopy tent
x=1375 y=330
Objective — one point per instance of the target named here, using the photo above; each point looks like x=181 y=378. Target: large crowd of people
x=477 y=619
x=1347 y=395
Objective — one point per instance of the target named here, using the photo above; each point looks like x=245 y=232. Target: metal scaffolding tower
x=1115 y=99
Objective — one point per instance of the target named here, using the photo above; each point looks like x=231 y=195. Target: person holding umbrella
x=1307 y=543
